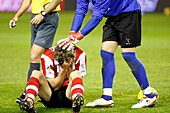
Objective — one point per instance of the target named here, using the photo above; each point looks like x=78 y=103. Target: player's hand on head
x=12 y=22
x=37 y=19
x=66 y=64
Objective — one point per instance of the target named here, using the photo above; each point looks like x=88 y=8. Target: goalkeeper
x=122 y=27
x=60 y=85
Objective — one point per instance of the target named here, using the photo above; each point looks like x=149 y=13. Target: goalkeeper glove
x=63 y=40
x=70 y=41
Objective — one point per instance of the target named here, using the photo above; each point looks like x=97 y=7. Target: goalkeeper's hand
x=70 y=41
x=63 y=40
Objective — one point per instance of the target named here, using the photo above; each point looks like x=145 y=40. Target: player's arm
x=81 y=10
x=57 y=82
x=38 y=18
x=100 y=9
x=94 y=21
x=49 y=71
x=24 y=6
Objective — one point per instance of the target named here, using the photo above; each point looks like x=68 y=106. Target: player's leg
x=37 y=84
x=137 y=67
x=35 y=55
x=42 y=37
x=108 y=68
x=130 y=39
x=109 y=45
x=139 y=72
x=108 y=72
x=75 y=91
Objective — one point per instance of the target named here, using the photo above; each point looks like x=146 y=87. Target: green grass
x=154 y=53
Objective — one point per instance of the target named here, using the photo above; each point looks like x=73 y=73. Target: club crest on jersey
x=49 y=68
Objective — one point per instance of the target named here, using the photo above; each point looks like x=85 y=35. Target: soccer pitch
x=154 y=53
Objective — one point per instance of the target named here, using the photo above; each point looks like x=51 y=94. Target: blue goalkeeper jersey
x=101 y=8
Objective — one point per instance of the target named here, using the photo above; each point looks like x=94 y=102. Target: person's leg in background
x=42 y=37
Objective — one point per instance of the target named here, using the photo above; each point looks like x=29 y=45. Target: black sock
x=33 y=66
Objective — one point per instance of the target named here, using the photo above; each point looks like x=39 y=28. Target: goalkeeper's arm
x=77 y=22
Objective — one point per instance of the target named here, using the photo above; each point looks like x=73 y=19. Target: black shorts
x=124 y=28
x=58 y=99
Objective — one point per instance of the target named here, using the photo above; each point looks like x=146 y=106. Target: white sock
x=107 y=91
x=147 y=90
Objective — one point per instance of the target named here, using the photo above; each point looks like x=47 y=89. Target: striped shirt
x=51 y=68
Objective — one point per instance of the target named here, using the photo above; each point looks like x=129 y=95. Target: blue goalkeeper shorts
x=44 y=33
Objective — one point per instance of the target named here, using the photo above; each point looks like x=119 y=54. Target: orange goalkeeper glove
x=70 y=41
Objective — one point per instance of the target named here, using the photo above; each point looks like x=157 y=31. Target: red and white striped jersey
x=51 y=68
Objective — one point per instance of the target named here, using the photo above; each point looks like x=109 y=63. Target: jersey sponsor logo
x=83 y=71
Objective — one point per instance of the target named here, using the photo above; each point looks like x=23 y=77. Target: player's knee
x=131 y=60
x=36 y=52
x=75 y=74
x=36 y=74
x=128 y=56
x=34 y=58
x=109 y=46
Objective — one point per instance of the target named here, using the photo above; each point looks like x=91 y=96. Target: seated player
x=60 y=85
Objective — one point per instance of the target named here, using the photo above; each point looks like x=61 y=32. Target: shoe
x=21 y=98
x=27 y=106
x=77 y=103
x=145 y=102
x=100 y=103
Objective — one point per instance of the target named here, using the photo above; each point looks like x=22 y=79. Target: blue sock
x=108 y=71
x=106 y=97
x=137 y=69
x=151 y=95
x=33 y=66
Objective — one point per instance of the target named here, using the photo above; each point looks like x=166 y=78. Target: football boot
x=77 y=103
x=100 y=103
x=145 y=102
x=21 y=98
x=27 y=106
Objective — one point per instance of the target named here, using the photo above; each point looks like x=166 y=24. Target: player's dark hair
x=60 y=55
